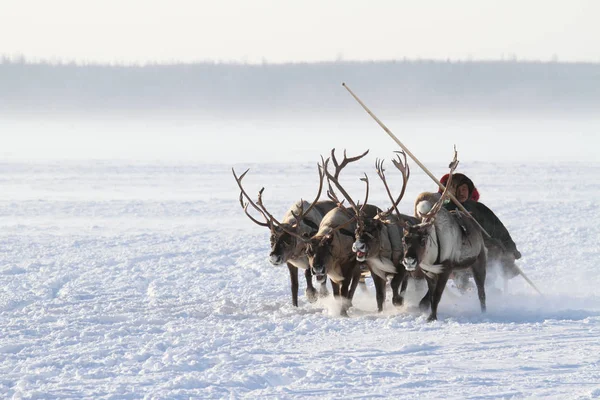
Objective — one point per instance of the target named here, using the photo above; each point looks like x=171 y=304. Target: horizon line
x=24 y=60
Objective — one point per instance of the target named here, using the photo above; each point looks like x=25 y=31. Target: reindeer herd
x=327 y=239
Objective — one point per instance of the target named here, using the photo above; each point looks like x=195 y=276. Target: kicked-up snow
x=145 y=280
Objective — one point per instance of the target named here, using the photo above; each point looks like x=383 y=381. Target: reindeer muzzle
x=360 y=248
x=409 y=263
x=275 y=259
x=318 y=270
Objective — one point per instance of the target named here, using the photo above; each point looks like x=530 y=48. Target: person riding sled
x=501 y=246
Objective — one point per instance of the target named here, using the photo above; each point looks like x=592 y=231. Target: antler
x=366 y=181
x=405 y=170
x=259 y=206
x=271 y=221
x=330 y=192
x=345 y=161
x=264 y=209
x=250 y=202
x=334 y=178
x=430 y=216
x=305 y=213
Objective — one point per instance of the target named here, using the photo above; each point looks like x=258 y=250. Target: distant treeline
x=413 y=87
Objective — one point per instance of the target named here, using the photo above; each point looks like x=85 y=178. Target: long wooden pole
x=424 y=168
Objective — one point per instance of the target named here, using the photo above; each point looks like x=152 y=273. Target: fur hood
x=460 y=179
x=425 y=201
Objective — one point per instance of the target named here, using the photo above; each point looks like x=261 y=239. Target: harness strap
x=310 y=224
x=346 y=232
x=437 y=260
x=437 y=236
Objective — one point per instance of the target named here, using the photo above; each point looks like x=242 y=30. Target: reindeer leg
x=400 y=279
x=339 y=294
x=348 y=287
x=431 y=285
x=294 y=281
x=362 y=280
x=311 y=292
x=425 y=302
x=438 y=289
x=336 y=289
x=345 y=288
x=379 y=290
x=479 y=276
x=346 y=300
x=356 y=277
x=323 y=292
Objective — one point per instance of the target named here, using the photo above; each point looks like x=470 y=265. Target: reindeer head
x=283 y=245
x=368 y=236
x=332 y=244
x=415 y=242
x=319 y=254
x=368 y=239
x=288 y=238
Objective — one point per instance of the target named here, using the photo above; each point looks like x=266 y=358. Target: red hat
x=461 y=180
x=443 y=181
x=475 y=195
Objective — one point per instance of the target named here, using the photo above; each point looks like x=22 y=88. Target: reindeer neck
x=433 y=244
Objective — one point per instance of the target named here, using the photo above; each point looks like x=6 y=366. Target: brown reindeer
x=327 y=256
x=379 y=241
x=330 y=249
x=441 y=243
x=289 y=237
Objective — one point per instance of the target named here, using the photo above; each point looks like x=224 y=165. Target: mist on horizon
x=492 y=111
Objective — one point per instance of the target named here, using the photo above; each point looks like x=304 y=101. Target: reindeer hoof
x=424 y=305
x=311 y=295
x=323 y=292
x=398 y=301
x=432 y=318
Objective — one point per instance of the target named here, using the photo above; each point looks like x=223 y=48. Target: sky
x=134 y=31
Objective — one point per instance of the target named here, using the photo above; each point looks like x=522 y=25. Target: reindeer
x=328 y=254
x=330 y=249
x=441 y=243
x=379 y=241
x=288 y=238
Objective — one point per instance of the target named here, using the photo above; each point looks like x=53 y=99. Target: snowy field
x=132 y=278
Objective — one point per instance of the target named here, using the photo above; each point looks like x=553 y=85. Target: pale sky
x=127 y=31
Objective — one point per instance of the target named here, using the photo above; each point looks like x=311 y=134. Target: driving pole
x=424 y=168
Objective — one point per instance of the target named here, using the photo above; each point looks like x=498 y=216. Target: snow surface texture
x=131 y=280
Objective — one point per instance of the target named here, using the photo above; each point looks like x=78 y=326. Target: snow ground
x=127 y=280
